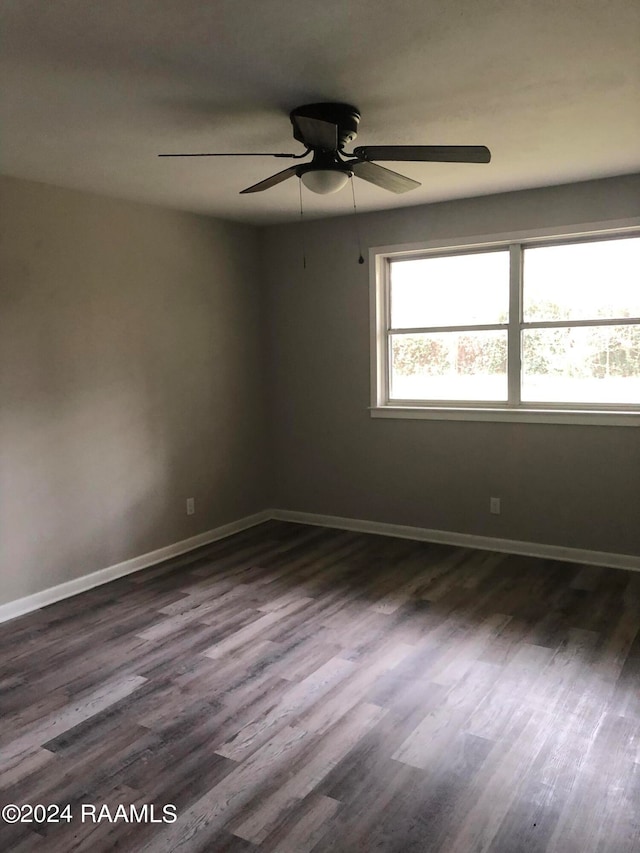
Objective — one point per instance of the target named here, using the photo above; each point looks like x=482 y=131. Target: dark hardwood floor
x=294 y=689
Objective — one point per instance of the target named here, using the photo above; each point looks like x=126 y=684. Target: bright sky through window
x=446 y=291
x=582 y=281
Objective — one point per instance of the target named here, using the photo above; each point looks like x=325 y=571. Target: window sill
x=529 y=416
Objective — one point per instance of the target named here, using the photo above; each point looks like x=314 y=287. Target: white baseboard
x=65 y=590
x=465 y=540
x=446 y=537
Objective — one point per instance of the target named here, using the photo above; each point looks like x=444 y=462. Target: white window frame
x=513 y=409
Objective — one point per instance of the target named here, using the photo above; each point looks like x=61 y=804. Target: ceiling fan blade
x=425 y=153
x=382 y=177
x=238 y=154
x=317 y=133
x=272 y=181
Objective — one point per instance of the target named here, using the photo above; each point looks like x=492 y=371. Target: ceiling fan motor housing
x=344 y=116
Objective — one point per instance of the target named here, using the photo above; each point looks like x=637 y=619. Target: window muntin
x=576 y=348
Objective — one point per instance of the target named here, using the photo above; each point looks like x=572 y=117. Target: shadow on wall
x=98 y=457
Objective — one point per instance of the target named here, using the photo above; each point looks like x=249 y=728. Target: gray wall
x=135 y=371
x=131 y=378
x=577 y=486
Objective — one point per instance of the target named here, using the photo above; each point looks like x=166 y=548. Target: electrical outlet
x=191 y=506
x=494 y=506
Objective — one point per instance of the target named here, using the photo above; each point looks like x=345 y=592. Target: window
x=528 y=329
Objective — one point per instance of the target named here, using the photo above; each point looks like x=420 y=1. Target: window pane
x=457 y=290
x=449 y=366
x=582 y=281
x=585 y=364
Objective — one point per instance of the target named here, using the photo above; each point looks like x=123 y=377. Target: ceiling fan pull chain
x=357 y=224
x=304 y=251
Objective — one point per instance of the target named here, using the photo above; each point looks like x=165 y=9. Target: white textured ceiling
x=92 y=91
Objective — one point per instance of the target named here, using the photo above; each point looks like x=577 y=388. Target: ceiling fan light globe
x=324 y=181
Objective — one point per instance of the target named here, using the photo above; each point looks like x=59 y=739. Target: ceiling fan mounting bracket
x=344 y=116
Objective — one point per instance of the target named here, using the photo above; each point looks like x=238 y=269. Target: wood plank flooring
x=294 y=689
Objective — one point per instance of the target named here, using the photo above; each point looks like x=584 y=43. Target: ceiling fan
x=325 y=129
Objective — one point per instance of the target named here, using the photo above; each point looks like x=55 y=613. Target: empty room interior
x=319 y=448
